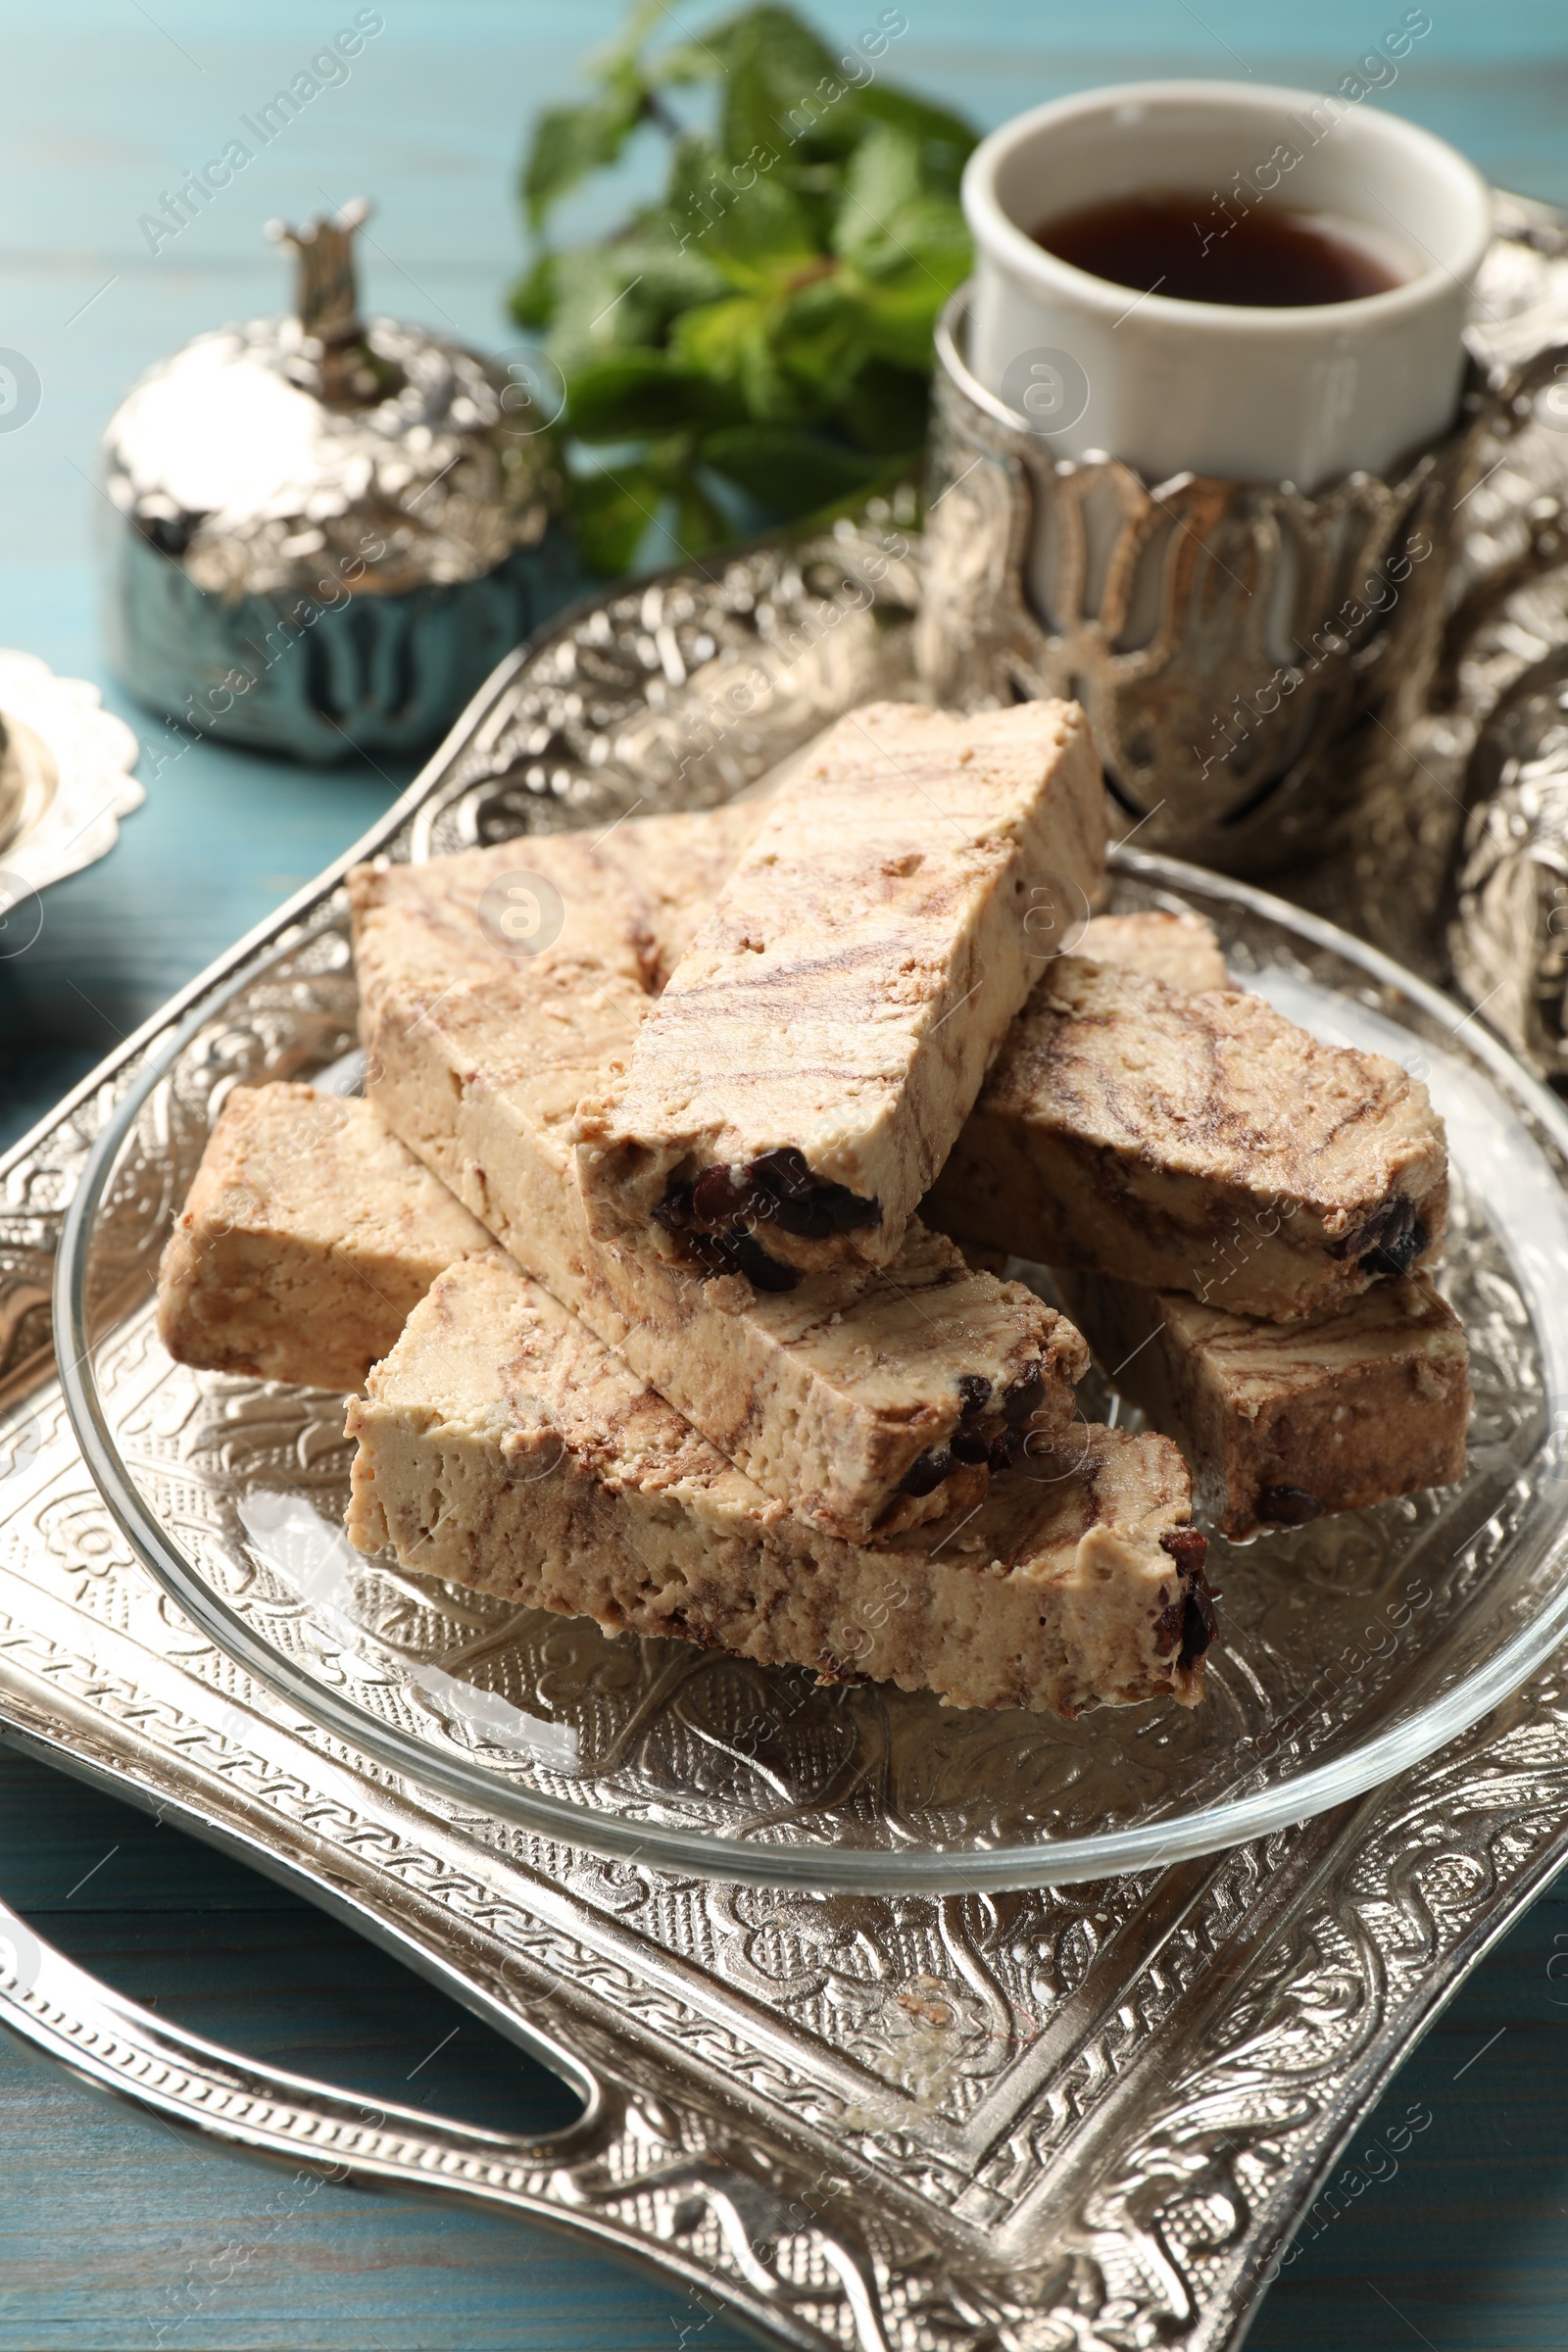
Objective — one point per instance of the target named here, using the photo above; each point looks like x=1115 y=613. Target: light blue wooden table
x=112 y=2235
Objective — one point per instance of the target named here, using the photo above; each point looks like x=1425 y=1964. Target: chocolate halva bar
x=868 y=1399
x=339 y=1230
x=1199 y=1143
x=1179 y=948
x=503 y=1447
x=311 y=1231
x=307 y=1240
x=819 y=1044
x=1283 y=1422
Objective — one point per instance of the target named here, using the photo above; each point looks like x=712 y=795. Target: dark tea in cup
x=1303 y=323
x=1191 y=247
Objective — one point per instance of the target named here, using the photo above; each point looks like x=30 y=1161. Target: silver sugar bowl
x=328 y=530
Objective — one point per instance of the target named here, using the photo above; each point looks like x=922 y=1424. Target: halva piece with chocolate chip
x=821 y=1042
x=1182 y=949
x=1283 y=1422
x=868 y=1399
x=1197 y=1142
x=307 y=1238
x=501 y=1447
x=316 y=1196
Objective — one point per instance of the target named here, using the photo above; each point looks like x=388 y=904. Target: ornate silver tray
x=1076 y=2116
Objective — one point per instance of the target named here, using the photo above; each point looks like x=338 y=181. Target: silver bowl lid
x=282 y=455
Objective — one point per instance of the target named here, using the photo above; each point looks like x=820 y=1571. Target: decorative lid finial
x=326 y=289
x=327 y=298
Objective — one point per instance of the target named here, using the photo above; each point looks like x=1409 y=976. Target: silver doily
x=65 y=780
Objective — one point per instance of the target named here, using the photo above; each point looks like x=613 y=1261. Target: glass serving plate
x=1350 y=1649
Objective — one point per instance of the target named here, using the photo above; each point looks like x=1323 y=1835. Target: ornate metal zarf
x=1238 y=644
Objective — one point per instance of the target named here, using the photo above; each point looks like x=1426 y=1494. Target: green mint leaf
x=901 y=316
x=880 y=182
x=628 y=395
x=771 y=62
x=944 y=142
x=885 y=410
x=728 y=345
x=745 y=223
x=823 y=340
x=888 y=223
x=569 y=142
x=929 y=238
x=614 y=513
x=534 y=296
x=701 y=524
x=625 y=296
x=789 y=472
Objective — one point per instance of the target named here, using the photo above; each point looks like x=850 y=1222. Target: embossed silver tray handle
x=114 y=2044
x=568 y=2178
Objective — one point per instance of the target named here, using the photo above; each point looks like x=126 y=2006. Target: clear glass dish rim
x=680 y=1852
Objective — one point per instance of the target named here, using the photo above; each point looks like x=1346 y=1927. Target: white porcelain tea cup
x=1283 y=394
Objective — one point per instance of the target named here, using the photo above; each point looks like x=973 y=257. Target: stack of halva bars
x=667 y=1261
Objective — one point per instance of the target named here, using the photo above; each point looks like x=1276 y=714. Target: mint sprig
x=755 y=347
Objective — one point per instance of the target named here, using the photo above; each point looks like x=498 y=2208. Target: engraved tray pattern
x=1083 y=2117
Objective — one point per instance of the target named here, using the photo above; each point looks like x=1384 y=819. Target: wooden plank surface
x=112 y=2234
